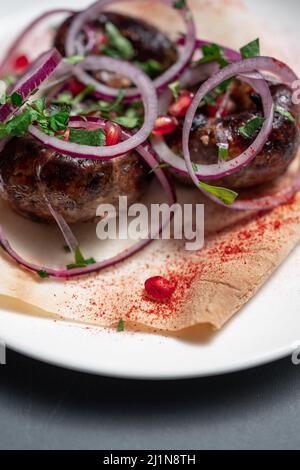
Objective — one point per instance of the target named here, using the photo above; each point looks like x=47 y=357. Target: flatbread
x=242 y=250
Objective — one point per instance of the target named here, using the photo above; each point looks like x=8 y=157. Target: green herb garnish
x=223 y=153
x=74 y=60
x=66 y=249
x=88 y=137
x=43 y=274
x=127 y=121
x=80 y=261
x=175 y=89
x=251 y=50
x=249 y=129
x=227 y=196
x=16 y=99
x=213 y=53
x=118 y=46
x=151 y=67
x=179 y=4
x=284 y=113
x=158 y=167
x=121 y=326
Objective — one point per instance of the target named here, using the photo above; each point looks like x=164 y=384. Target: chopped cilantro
x=80 y=261
x=66 y=249
x=158 y=167
x=43 y=274
x=179 y=4
x=227 y=196
x=127 y=121
x=213 y=53
x=88 y=137
x=73 y=60
x=249 y=129
x=194 y=166
x=223 y=152
x=175 y=88
x=17 y=126
x=151 y=67
x=16 y=99
x=118 y=46
x=121 y=326
x=284 y=113
x=251 y=50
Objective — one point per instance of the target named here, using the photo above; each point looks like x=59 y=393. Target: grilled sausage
x=74 y=187
x=277 y=154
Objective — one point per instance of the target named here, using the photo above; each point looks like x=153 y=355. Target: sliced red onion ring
x=148 y=155
x=37 y=73
x=171 y=74
x=4 y=64
x=150 y=102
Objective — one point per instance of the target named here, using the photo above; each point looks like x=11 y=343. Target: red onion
x=149 y=156
x=4 y=64
x=161 y=82
x=149 y=97
x=37 y=73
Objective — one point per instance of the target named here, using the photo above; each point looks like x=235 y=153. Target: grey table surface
x=44 y=407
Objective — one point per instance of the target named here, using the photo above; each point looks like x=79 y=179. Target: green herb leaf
x=175 y=89
x=223 y=152
x=213 y=53
x=121 y=326
x=179 y=4
x=251 y=50
x=194 y=166
x=80 y=262
x=17 y=126
x=66 y=249
x=94 y=138
x=160 y=166
x=284 y=113
x=151 y=67
x=16 y=99
x=59 y=120
x=249 y=129
x=227 y=196
x=127 y=121
x=73 y=60
x=118 y=42
x=43 y=274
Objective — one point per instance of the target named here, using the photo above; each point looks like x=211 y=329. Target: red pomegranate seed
x=113 y=133
x=182 y=104
x=65 y=134
x=159 y=288
x=75 y=87
x=165 y=125
x=21 y=63
x=212 y=110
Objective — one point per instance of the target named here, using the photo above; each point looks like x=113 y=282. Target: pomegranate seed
x=212 y=110
x=102 y=39
x=165 y=125
x=113 y=133
x=182 y=104
x=65 y=134
x=75 y=87
x=159 y=288
x=21 y=63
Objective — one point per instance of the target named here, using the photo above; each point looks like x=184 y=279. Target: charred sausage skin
x=75 y=187
x=277 y=154
x=148 y=41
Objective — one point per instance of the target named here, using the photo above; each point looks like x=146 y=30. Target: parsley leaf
x=213 y=53
x=179 y=4
x=80 y=261
x=117 y=43
x=175 y=88
x=251 y=50
x=43 y=274
x=88 y=137
x=249 y=129
x=223 y=152
x=121 y=326
x=74 y=60
x=151 y=67
x=284 y=113
x=227 y=196
x=17 y=126
x=127 y=121
x=66 y=249
x=16 y=99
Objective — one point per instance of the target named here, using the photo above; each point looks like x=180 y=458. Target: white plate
x=267 y=329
